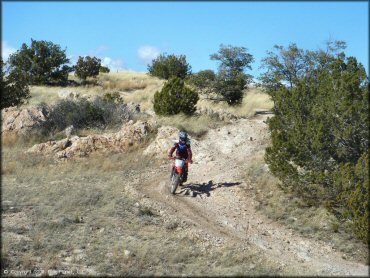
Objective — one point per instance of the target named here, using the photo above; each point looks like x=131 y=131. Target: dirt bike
x=177 y=173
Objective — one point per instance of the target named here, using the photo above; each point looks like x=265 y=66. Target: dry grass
x=140 y=88
x=253 y=99
x=145 y=96
x=124 y=82
x=9 y=139
x=112 y=235
x=49 y=94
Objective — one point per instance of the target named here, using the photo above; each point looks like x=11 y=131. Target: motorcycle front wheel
x=175 y=181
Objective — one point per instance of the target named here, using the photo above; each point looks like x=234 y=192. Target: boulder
x=21 y=121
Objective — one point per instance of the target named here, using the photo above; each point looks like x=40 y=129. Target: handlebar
x=174 y=158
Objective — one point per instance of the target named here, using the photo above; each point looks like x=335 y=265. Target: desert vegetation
x=294 y=146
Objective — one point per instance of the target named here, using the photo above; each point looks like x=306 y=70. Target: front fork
x=181 y=175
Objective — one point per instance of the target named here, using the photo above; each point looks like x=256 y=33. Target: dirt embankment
x=216 y=202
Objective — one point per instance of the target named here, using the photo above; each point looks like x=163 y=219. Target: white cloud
x=113 y=64
x=99 y=51
x=148 y=53
x=6 y=50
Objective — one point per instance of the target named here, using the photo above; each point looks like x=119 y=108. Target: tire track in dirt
x=214 y=201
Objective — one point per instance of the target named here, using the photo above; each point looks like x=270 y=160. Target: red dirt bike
x=177 y=173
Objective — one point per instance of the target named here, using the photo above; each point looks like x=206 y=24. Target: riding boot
x=185 y=177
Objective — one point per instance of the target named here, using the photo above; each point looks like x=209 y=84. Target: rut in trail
x=214 y=201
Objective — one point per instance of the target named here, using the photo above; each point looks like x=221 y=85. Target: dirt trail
x=215 y=203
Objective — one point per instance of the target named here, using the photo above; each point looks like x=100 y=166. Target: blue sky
x=127 y=35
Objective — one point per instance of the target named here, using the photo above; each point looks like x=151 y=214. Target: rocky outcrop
x=166 y=137
x=21 y=121
x=130 y=135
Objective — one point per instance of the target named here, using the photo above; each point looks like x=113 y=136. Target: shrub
x=14 y=88
x=87 y=67
x=102 y=113
x=114 y=111
x=230 y=88
x=174 y=98
x=80 y=114
x=113 y=97
x=103 y=69
x=167 y=66
x=353 y=182
x=203 y=81
x=43 y=63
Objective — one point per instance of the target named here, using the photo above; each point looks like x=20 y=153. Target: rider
x=183 y=150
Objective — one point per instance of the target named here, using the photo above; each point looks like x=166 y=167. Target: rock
x=134 y=107
x=165 y=139
x=66 y=94
x=69 y=130
x=21 y=121
x=130 y=135
x=127 y=253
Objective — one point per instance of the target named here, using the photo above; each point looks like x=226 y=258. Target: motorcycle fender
x=179 y=170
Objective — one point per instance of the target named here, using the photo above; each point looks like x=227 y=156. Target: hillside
x=111 y=213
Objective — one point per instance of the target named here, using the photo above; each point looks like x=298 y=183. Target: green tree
x=87 y=67
x=174 y=98
x=43 y=62
x=320 y=131
x=286 y=66
x=233 y=59
x=231 y=79
x=14 y=88
x=204 y=82
x=229 y=86
x=167 y=66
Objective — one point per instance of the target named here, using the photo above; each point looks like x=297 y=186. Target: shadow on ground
x=203 y=189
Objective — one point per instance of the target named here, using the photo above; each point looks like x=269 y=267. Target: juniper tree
x=175 y=98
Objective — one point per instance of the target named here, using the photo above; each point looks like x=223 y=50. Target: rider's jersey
x=183 y=150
